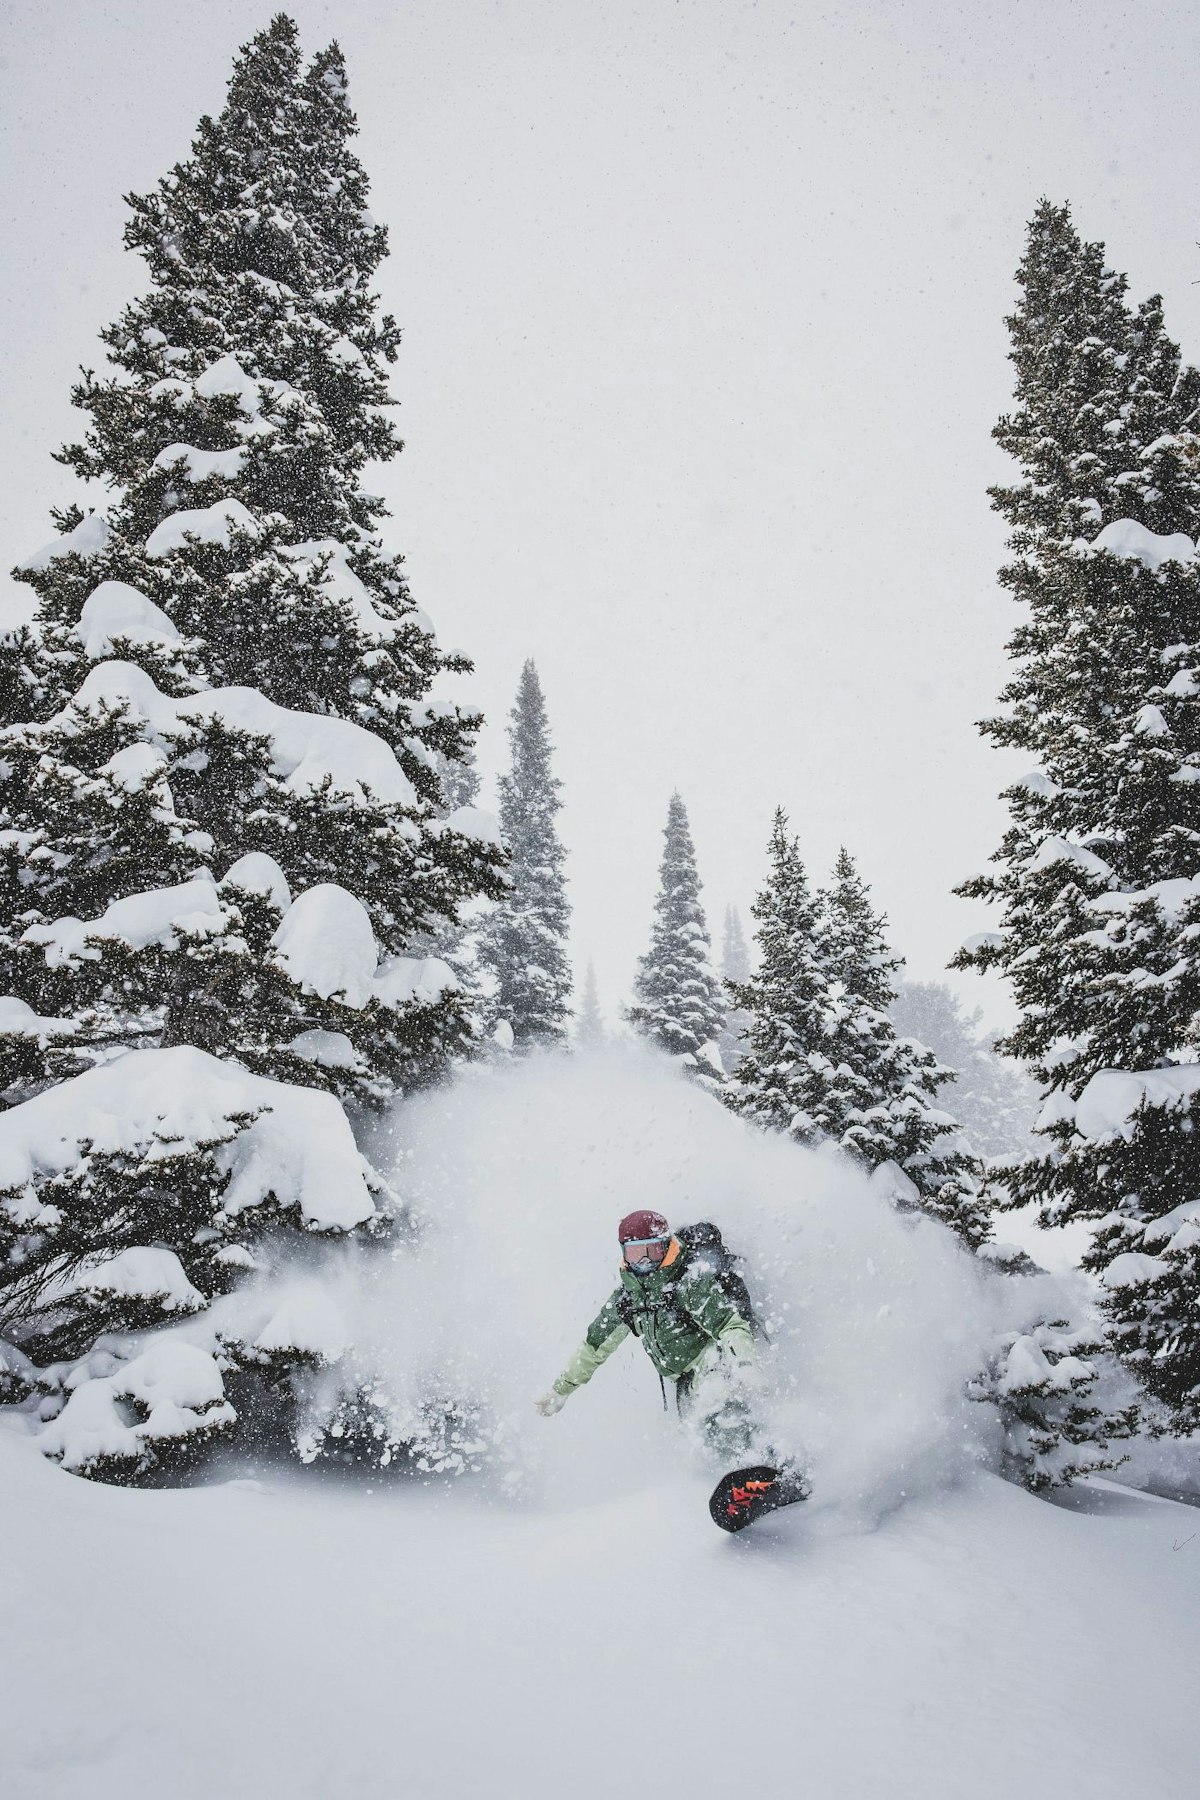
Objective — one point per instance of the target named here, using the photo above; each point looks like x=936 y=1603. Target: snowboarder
x=695 y=1324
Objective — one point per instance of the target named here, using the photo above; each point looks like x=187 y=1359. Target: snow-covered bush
x=133 y=1197
x=1043 y=1381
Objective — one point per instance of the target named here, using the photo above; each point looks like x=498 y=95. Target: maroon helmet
x=640 y=1227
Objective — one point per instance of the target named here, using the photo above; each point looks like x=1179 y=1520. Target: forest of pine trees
x=823 y=1060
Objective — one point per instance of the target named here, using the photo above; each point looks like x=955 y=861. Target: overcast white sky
x=703 y=343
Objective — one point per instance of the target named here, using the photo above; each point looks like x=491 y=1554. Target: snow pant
x=719 y=1415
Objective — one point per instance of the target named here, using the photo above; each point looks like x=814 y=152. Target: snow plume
x=519 y=1174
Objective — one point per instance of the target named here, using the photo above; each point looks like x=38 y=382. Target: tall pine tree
x=1097 y=874
x=735 y=967
x=882 y=1090
x=224 y=827
x=786 y=1000
x=523 y=942
x=994 y=1100
x=589 y=1023
x=823 y=1061
x=678 y=1003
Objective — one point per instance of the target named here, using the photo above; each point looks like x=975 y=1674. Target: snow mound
x=17 y=1019
x=147 y=1272
x=1105 y=1109
x=327 y=1049
x=327 y=945
x=1170 y=897
x=341 y=583
x=423 y=980
x=85 y=539
x=307 y=748
x=258 y=873
x=210 y=524
x=227 y=376
x=201 y=465
x=1136 y=543
x=1133 y=1269
x=474 y=822
x=140 y=766
x=298 y=1146
x=158 y=916
x=1054 y=850
x=177 y=1388
x=117 y=610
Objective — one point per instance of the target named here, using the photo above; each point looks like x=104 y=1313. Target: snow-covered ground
x=276 y=1642
x=919 y=1628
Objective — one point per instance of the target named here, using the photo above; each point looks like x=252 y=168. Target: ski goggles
x=645 y=1250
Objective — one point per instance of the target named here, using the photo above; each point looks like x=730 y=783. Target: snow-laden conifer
x=787 y=1001
x=735 y=968
x=523 y=941
x=1097 y=874
x=678 y=1003
x=995 y=1102
x=589 y=1021
x=1047 y=1385
x=882 y=1091
x=224 y=830
x=825 y=1064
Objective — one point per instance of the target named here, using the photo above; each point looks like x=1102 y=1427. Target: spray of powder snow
x=519 y=1174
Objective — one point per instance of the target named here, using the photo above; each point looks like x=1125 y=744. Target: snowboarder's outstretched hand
x=551 y=1403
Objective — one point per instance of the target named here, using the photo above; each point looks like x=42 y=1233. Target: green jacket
x=676 y=1310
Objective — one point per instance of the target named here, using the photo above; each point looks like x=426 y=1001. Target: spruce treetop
x=678 y=1001
x=523 y=941
x=854 y=941
x=589 y=1023
x=228 y=662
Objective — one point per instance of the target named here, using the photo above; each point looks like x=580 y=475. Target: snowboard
x=744 y=1495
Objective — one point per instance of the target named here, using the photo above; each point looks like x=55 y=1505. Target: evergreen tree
x=735 y=968
x=224 y=829
x=589 y=1022
x=778 y=1083
x=455 y=940
x=824 y=1062
x=1097 y=872
x=678 y=1003
x=1057 y=1420
x=994 y=1100
x=882 y=1090
x=523 y=940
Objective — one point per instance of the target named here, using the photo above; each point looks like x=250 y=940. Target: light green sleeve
x=586 y=1361
x=606 y=1333
x=738 y=1340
